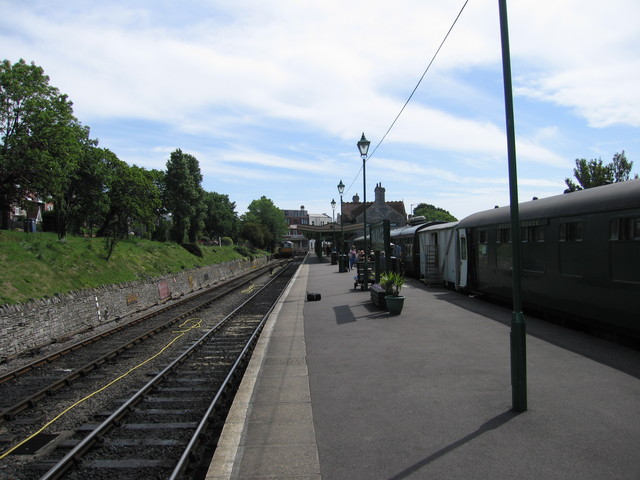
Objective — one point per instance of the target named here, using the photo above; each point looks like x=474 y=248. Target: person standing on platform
x=353 y=257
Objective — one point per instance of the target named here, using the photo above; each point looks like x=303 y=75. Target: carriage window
x=533 y=248
x=504 y=235
x=571 y=231
x=571 y=252
x=624 y=229
x=614 y=229
x=533 y=233
x=503 y=249
x=483 y=248
x=463 y=248
x=624 y=234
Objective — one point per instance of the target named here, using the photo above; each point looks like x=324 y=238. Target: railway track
x=36 y=380
x=160 y=402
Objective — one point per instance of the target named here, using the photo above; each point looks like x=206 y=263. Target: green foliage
x=133 y=200
x=38 y=133
x=87 y=196
x=244 y=251
x=39 y=265
x=594 y=173
x=193 y=248
x=220 y=217
x=433 y=213
x=45 y=151
x=161 y=230
x=226 y=241
x=621 y=167
x=184 y=196
x=392 y=282
x=264 y=212
x=256 y=234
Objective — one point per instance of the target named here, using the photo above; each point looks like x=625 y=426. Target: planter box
x=377 y=295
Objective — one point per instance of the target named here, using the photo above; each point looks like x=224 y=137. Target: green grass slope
x=36 y=265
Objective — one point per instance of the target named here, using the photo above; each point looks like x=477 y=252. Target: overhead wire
x=413 y=91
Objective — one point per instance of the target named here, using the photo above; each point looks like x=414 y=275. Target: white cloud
x=582 y=55
x=277 y=93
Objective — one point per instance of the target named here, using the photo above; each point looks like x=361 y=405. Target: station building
x=350 y=223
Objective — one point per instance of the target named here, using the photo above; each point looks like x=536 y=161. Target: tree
x=133 y=200
x=184 y=195
x=255 y=234
x=433 y=214
x=220 y=218
x=162 y=224
x=69 y=150
x=594 y=173
x=265 y=213
x=37 y=130
x=89 y=201
x=621 y=167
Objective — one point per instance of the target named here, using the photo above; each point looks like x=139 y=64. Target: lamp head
x=341 y=187
x=363 y=145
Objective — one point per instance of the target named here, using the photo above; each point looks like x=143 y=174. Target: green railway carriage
x=580 y=255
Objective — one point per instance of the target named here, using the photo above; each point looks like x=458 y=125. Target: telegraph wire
x=414 y=90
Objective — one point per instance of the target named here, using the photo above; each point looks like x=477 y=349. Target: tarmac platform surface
x=339 y=389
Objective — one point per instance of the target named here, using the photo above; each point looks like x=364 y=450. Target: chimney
x=379 y=194
x=356 y=198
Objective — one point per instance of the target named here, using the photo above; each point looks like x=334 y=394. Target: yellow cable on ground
x=249 y=289
x=197 y=323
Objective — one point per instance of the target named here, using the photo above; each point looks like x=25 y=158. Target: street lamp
x=342 y=265
x=518 y=326
x=363 y=146
x=333 y=216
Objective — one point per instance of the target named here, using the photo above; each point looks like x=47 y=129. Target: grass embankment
x=36 y=265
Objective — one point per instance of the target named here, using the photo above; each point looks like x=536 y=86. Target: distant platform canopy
x=328 y=229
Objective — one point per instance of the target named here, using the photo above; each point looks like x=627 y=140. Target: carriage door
x=463 y=258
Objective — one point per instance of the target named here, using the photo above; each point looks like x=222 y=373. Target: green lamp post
x=363 y=147
x=342 y=250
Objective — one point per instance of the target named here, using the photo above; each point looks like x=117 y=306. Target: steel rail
x=96 y=435
x=31 y=401
x=193 y=444
x=88 y=341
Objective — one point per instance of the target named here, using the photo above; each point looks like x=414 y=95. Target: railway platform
x=338 y=389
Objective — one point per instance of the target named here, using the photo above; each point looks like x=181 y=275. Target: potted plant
x=393 y=282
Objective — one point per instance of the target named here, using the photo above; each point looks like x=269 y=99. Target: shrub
x=244 y=251
x=193 y=248
x=392 y=282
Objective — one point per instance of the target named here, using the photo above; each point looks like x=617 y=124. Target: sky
x=272 y=96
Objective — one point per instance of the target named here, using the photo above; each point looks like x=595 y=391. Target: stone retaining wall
x=28 y=326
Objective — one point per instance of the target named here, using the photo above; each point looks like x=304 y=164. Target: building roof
x=353 y=210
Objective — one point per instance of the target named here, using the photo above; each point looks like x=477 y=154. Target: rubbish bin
x=334 y=258
x=395 y=264
x=341 y=264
